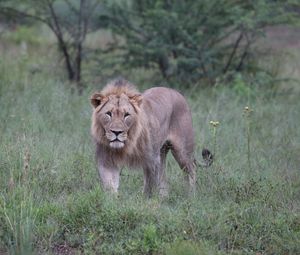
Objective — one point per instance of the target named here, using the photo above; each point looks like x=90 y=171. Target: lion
x=137 y=130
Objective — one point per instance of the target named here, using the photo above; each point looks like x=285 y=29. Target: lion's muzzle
x=116 y=138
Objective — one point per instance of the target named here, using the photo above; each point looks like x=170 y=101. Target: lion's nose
x=116 y=132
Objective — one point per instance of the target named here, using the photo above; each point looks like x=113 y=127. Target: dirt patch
x=282 y=37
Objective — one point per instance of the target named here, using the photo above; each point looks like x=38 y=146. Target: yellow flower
x=214 y=123
x=248 y=109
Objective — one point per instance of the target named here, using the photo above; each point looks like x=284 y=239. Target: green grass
x=51 y=201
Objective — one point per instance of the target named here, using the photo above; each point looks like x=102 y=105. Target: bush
x=191 y=40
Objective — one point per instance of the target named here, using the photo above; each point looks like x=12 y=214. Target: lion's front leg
x=110 y=177
x=150 y=181
x=152 y=172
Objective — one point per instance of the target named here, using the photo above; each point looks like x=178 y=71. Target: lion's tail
x=207 y=158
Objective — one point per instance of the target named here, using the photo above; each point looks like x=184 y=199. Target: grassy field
x=247 y=202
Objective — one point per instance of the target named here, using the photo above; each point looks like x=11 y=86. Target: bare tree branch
x=235 y=47
x=61 y=41
x=245 y=52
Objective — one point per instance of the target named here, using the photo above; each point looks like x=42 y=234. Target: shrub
x=191 y=40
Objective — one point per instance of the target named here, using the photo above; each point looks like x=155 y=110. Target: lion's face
x=117 y=115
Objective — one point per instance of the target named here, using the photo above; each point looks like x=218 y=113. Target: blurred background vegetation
x=186 y=43
x=236 y=62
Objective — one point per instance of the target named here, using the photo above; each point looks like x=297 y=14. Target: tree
x=193 y=39
x=69 y=20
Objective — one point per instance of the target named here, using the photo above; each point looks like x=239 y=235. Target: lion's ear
x=136 y=99
x=97 y=99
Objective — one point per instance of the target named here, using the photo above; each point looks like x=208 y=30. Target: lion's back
x=164 y=101
x=168 y=115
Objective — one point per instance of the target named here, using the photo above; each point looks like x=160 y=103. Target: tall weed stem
x=214 y=125
x=247 y=115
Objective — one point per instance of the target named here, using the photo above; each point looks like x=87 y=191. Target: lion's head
x=115 y=120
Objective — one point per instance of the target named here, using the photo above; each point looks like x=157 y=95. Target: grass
x=51 y=202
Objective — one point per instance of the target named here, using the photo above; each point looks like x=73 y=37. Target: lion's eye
x=126 y=114
x=108 y=114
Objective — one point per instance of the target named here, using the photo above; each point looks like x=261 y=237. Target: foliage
x=190 y=248
x=185 y=42
x=51 y=201
x=69 y=20
x=191 y=40
x=24 y=34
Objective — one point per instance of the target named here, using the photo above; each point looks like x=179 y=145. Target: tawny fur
x=159 y=120
x=119 y=87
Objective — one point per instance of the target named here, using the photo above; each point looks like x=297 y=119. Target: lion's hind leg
x=185 y=158
x=155 y=175
x=163 y=185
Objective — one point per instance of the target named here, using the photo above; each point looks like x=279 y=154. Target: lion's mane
x=138 y=135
